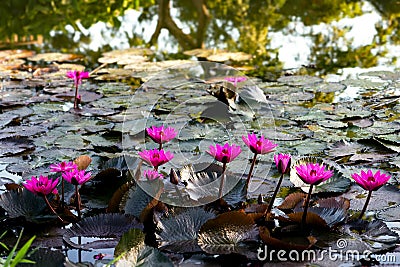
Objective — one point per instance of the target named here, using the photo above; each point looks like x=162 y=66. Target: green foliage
x=16 y=257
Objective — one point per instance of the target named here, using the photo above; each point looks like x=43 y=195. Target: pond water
x=326 y=37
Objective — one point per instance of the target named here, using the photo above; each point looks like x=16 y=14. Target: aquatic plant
x=224 y=154
x=371 y=182
x=161 y=134
x=16 y=257
x=152 y=175
x=312 y=174
x=42 y=187
x=235 y=79
x=76 y=178
x=257 y=146
x=282 y=162
x=63 y=167
x=156 y=157
x=77 y=76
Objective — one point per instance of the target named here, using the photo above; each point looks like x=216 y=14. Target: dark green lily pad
x=24 y=203
x=178 y=233
x=106 y=228
x=14 y=146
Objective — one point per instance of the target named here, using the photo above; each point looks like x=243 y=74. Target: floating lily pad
x=132 y=251
x=302 y=80
x=225 y=56
x=296 y=241
x=230 y=232
x=105 y=228
x=50 y=57
x=14 y=146
x=389 y=214
x=22 y=202
x=179 y=232
x=386 y=196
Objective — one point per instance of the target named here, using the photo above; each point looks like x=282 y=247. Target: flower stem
x=51 y=208
x=160 y=147
x=365 y=205
x=304 y=217
x=251 y=171
x=76 y=96
x=271 y=202
x=78 y=201
x=62 y=192
x=221 y=186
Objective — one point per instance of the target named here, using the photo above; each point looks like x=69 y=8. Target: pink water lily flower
x=235 y=80
x=160 y=134
x=156 y=157
x=77 y=76
x=42 y=186
x=63 y=167
x=282 y=162
x=258 y=145
x=152 y=175
x=225 y=153
x=313 y=174
x=76 y=177
x=370 y=181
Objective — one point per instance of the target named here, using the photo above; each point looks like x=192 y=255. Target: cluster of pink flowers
x=157 y=157
x=70 y=172
x=44 y=185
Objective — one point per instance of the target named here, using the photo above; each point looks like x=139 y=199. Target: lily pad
x=179 y=232
x=132 y=251
x=230 y=232
x=105 y=228
x=14 y=146
x=386 y=196
x=22 y=202
x=301 y=80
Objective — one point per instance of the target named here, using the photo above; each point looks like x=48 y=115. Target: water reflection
x=280 y=34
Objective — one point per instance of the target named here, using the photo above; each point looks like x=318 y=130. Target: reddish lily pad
x=230 y=232
x=296 y=241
